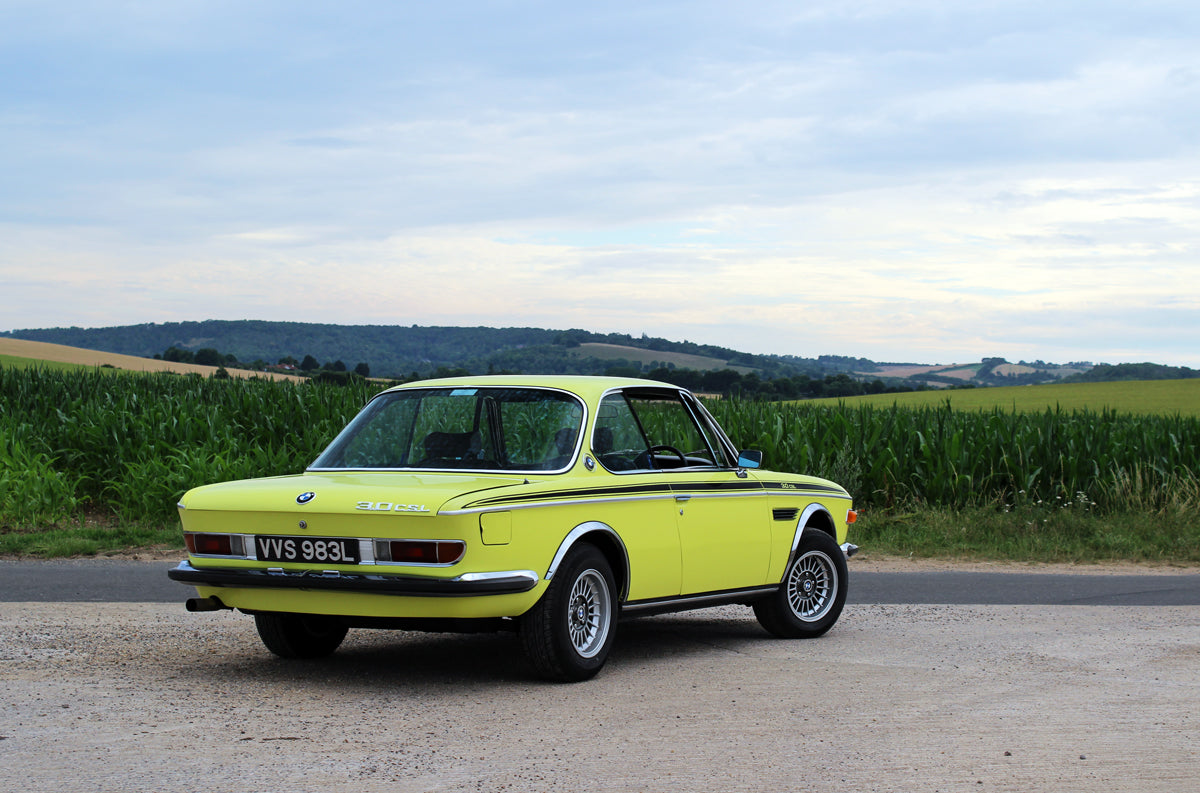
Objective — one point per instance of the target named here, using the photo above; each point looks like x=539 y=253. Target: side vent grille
x=785 y=514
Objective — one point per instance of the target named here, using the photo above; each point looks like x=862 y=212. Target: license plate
x=337 y=550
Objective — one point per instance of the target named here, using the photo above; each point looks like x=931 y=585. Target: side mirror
x=750 y=458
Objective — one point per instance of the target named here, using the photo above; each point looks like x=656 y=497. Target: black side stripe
x=662 y=488
x=581 y=493
x=807 y=487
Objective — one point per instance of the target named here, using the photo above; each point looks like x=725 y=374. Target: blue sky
x=904 y=181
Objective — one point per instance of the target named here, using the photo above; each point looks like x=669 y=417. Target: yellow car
x=552 y=506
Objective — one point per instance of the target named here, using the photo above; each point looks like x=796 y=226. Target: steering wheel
x=661 y=447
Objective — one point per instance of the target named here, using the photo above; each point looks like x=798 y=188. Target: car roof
x=586 y=386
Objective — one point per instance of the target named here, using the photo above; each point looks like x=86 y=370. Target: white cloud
x=920 y=180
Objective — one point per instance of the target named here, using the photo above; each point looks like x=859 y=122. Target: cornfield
x=74 y=442
x=129 y=444
x=935 y=456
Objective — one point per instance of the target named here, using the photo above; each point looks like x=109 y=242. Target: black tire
x=300 y=635
x=567 y=635
x=813 y=592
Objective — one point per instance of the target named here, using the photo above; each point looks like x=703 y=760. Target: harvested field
x=58 y=353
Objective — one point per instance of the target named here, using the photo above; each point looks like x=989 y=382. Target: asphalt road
x=100 y=581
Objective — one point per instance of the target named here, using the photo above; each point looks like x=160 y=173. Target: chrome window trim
x=730 y=448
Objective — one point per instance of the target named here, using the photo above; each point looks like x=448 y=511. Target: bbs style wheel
x=813 y=592
x=568 y=633
x=300 y=635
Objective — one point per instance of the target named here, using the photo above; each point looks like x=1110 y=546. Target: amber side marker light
x=213 y=544
x=851 y=516
x=420 y=551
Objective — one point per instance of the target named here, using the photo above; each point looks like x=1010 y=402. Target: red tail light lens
x=213 y=544
x=422 y=551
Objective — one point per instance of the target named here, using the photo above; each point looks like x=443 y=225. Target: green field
x=1144 y=397
x=91 y=462
x=27 y=363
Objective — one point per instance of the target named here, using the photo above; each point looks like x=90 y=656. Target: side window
x=617 y=440
x=649 y=430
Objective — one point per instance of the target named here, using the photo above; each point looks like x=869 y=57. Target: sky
x=931 y=182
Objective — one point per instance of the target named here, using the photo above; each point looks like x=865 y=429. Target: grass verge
x=1057 y=532
x=88 y=538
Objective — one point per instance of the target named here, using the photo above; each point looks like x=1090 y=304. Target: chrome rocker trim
x=499 y=583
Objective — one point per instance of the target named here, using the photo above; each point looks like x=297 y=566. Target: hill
x=404 y=352
x=400 y=351
x=652 y=359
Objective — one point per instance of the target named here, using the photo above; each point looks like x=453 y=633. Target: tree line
x=308 y=366
x=731 y=383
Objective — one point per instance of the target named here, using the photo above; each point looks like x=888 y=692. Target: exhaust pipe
x=205 y=604
x=847 y=549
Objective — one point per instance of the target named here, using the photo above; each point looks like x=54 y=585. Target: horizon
x=897 y=180
x=936 y=364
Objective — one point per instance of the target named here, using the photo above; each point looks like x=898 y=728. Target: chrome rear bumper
x=466 y=585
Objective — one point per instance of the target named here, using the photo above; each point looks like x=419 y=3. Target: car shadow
x=374 y=658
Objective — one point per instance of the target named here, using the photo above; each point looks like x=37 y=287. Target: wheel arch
x=815 y=517
x=610 y=544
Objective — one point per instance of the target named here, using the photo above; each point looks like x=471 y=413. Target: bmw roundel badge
x=304 y=498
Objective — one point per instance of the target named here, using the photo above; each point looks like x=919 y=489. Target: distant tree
x=338 y=366
x=288 y=360
x=337 y=378
x=207 y=356
x=362 y=370
x=220 y=374
x=310 y=364
x=1132 y=371
x=176 y=355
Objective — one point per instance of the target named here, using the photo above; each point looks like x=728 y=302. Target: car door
x=724 y=533
x=722 y=514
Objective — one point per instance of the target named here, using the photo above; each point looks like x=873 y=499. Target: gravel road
x=139 y=696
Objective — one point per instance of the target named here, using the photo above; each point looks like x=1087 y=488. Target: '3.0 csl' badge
x=304 y=498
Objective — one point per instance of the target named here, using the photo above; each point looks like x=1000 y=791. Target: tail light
x=214 y=544
x=419 y=551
